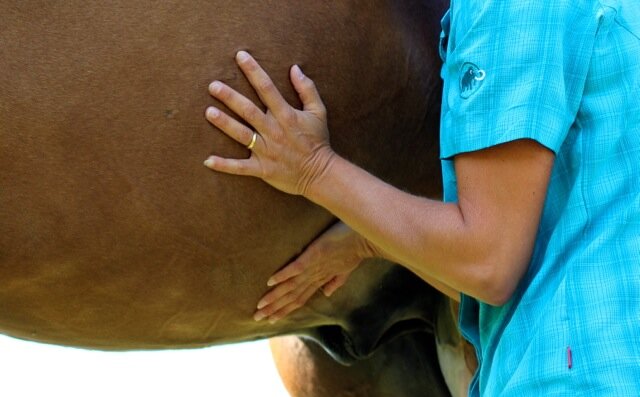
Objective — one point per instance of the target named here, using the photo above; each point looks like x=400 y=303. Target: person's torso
x=574 y=322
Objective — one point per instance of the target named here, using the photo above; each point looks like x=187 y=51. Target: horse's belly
x=112 y=233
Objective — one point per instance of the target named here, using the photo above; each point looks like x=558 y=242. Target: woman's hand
x=325 y=264
x=291 y=147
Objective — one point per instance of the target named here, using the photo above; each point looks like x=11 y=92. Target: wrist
x=322 y=164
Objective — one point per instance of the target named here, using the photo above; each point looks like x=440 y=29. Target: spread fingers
x=239 y=104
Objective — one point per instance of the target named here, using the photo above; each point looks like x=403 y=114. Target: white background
x=239 y=370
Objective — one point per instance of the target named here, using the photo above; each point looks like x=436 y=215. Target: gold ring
x=253 y=141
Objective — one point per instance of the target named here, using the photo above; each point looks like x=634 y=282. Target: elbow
x=497 y=295
x=497 y=270
x=497 y=283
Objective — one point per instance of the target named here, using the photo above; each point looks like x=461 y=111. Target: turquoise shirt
x=565 y=73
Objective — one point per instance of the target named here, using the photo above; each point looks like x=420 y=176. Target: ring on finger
x=253 y=141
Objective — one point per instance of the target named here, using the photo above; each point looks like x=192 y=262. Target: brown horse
x=112 y=234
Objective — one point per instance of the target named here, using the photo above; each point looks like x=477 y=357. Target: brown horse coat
x=112 y=234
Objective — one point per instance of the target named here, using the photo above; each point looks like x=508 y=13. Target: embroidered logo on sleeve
x=471 y=78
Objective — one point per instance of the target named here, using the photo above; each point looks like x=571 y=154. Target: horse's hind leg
x=405 y=367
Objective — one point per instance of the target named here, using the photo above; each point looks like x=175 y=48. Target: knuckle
x=250 y=64
x=265 y=85
x=278 y=138
x=222 y=164
x=240 y=167
x=292 y=284
x=297 y=266
x=250 y=112
x=223 y=92
x=289 y=117
x=269 y=298
x=309 y=84
x=222 y=121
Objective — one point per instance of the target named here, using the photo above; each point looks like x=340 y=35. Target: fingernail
x=212 y=112
x=258 y=316
x=242 y=56
x=298 y=72
x=209 y=162
x=261 y=304
x=271 y=282
x=273 y=320
x=214 y=87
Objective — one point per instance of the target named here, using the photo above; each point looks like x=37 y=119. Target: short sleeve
x=514 y=70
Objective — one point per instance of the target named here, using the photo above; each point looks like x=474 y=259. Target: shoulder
x=502 y=14
x=514 y=70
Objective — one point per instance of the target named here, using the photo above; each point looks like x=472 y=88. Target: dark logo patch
x=471 y=78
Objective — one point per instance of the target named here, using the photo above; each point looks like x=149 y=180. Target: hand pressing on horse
x=289 y=147
x=289 y=150
x=325 y=265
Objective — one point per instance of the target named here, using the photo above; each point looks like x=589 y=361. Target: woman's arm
x=480 y=246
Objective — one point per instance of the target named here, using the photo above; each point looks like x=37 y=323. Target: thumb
x=307 y=91
x=332 y=286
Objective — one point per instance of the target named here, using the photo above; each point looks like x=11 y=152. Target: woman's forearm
x=480 y=245
x=427 y=236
